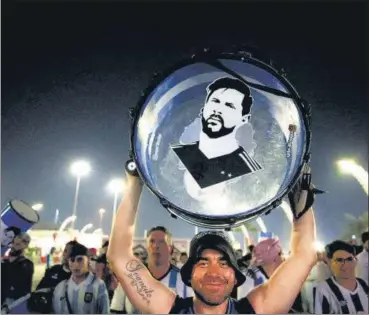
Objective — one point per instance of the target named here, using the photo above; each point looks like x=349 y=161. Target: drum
x=220 y=139
x=16 y=217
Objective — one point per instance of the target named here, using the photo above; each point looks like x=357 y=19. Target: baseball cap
x=78 y=250
x=215 y=240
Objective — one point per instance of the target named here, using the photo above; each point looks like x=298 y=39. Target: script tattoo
x=133 y=267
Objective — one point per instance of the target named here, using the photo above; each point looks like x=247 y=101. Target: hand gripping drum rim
x=212 y=59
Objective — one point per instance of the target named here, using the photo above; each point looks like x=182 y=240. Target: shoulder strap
x=67 y=298
x=337 y=292
x=363 y=285
x=173 y=279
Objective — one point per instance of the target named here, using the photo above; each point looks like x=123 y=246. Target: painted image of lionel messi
x=217 y=156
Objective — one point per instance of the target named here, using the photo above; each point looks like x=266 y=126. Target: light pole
x=56 y=218
x=357 y=171
x=38 y=207
x=115 y=186
x=79 y=169
x=101 y=213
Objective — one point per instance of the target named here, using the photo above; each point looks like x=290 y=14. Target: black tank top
x=185 y=306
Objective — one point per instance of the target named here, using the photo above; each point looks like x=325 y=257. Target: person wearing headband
x=211 y=269
x=342 y=293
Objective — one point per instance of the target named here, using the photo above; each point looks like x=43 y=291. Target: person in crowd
x=50 y=258
x=159 y=248
x=59 y=272
x=83 y=292
x=104 y=247
x=268 y=256
x=320 y=272
x=342 y=293
x=182 y=259
x=16 y=271
x=362 y=269
x=211 y=269
x=103 y=272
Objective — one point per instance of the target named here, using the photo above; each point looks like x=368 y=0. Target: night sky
x=71 y=71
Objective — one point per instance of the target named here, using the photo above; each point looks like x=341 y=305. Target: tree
x=355 y=225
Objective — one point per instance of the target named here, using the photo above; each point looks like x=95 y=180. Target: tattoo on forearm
x=133 y=266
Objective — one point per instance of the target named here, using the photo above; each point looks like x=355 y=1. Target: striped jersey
x=88 y=297
x=332 y=298
x=171 y=279
x=207 y=172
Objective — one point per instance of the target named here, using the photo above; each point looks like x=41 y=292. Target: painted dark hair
x=235 y=84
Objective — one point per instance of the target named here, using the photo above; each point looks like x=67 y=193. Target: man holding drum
x=211 y=269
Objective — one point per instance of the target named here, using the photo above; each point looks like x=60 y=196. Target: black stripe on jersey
x=314 y=296
x=325 y=306
x=337 y=292
x=357 y=303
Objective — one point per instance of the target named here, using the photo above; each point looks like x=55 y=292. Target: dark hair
x=251 y=248
x=161 y=229
x=71 y=243
x=365 y=237
x=235 y=84
x=14 y=229
x=339 y=245
x=105 y=244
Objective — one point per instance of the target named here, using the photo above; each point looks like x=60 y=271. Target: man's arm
x=291 y=274
x=145 y=293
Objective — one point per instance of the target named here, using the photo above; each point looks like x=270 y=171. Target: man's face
x=213 y=279
x=78 y=265
x=183 y=259
x=222 y=113
x=18 y=244
x=158 y=247
x=343 y=265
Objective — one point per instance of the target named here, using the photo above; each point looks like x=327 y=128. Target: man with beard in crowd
x=16 y=271
x=362 y=269
x=217 y=156
x=159 y=248
x=211 y=269
x=342 y=293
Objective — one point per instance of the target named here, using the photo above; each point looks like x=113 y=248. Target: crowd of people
x=212 y=278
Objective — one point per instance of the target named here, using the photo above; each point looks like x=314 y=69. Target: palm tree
x=356 y=225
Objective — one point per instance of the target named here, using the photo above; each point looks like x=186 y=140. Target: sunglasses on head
x=343 y=260
x=78 y=259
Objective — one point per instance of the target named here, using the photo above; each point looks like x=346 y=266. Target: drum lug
x=227 y=229
x=132 y=113
x=173 y=216
x=307 y=157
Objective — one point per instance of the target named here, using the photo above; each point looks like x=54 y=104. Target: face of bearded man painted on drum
x=227 y=107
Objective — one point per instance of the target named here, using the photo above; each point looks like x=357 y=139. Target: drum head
x=220 y=140
x=25 y=211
